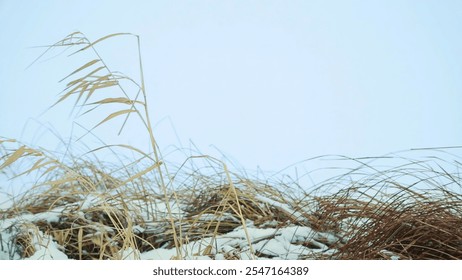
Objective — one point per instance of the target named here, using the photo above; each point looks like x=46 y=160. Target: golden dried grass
x=99 y=211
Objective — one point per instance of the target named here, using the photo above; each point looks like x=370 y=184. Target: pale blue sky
x=269 y=83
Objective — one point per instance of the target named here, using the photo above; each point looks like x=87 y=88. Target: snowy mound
x=235 y=221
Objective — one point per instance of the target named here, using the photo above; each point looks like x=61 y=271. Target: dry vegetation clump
x=86 y=222
x=429 y=229
x=381 y=219
x=247 y=200
x=373 y=218
x=92 y=223
x=97 y=210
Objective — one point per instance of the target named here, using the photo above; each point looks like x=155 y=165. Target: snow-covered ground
x=236 y=218
x=270 y=240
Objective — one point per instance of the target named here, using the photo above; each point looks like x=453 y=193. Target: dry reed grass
x=97 y=212
x=383 y=217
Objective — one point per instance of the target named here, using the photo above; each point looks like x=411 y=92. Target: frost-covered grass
x=79 y=206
